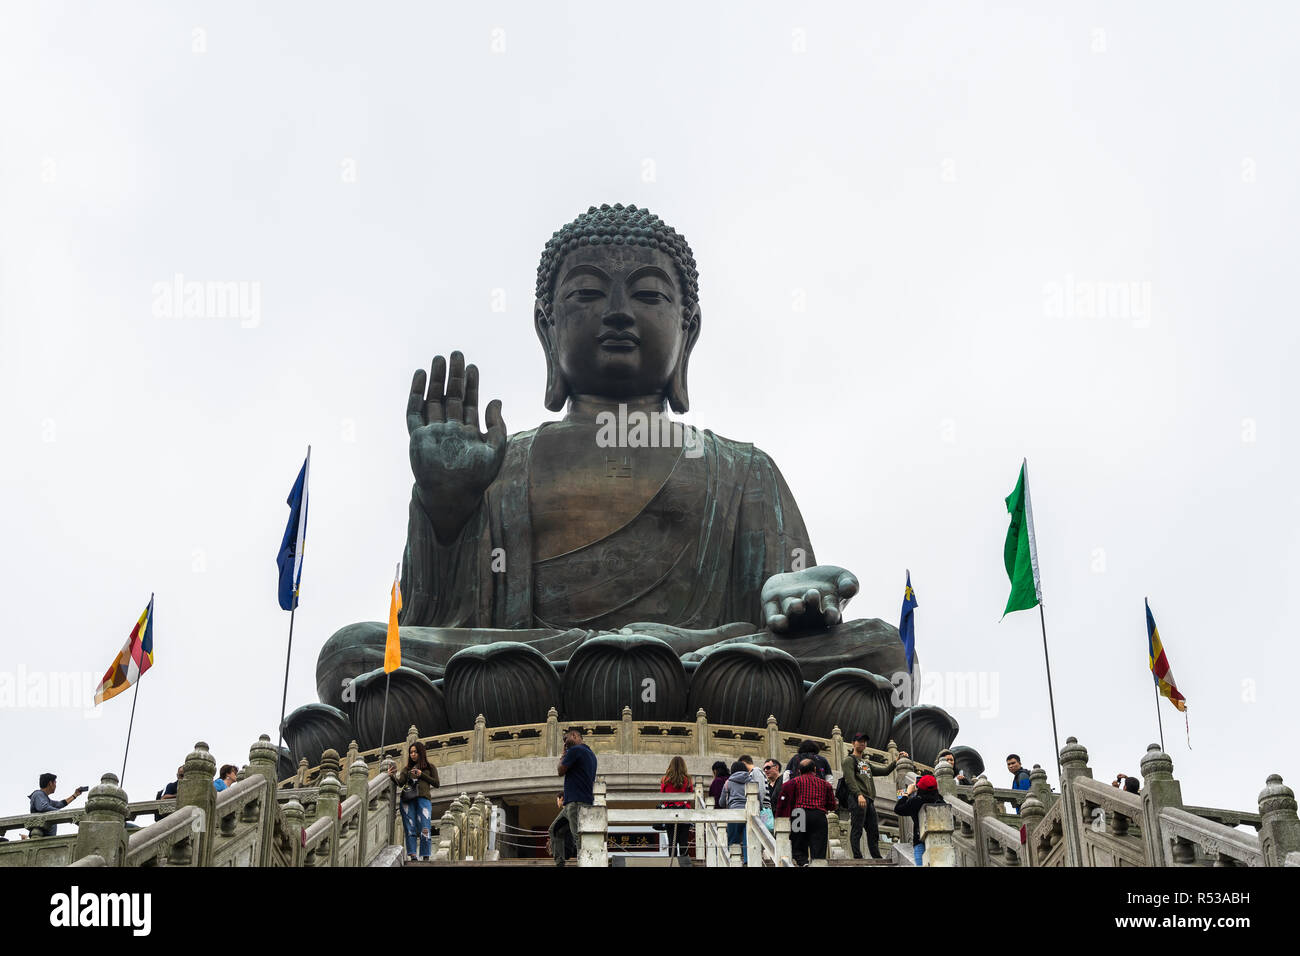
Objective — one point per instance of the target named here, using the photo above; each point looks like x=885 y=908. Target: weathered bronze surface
x=614 y=520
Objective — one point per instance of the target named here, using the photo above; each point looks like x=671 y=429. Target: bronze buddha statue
x=583 y=562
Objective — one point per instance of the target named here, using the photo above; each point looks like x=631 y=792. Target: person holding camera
x=417 y=779
x=41 y=802
x=578 y=767
x=1125 y=782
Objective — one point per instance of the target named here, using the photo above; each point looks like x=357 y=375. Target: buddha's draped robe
x=688 y=568
x=696 y=556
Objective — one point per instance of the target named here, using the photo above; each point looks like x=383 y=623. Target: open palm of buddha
x=569 y=564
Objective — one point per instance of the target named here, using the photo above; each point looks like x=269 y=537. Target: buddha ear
x=678 y=399
x=557 y=389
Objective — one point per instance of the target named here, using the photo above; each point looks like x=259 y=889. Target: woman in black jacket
x=416 y=782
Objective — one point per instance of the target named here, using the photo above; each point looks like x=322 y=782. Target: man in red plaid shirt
x=806 y=799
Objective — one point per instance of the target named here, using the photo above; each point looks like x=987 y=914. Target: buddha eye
x=652 y=296
x=585 y=295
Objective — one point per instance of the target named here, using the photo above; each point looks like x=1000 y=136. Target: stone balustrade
x=1094 y=824
x=464 y=830
x=625 y=736
x=343 y=812
x=248 y=824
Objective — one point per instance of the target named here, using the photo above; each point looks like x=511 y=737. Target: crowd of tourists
x=801 y=790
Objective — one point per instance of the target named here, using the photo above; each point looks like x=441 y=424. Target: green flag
x=1020 y=554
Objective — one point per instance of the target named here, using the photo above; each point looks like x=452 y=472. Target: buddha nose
x=617 y=315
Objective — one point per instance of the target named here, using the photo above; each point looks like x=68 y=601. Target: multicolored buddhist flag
x=135 y=657
x=907 y=623
x=1020 y=553
x=289 y=560
x=1160 y=668
x=393 y=646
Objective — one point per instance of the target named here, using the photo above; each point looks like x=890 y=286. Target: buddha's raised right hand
x=452 y=461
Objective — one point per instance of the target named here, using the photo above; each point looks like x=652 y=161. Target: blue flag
x=907 y=625
x=289 y=560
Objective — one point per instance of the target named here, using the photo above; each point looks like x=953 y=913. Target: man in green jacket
x=858 y=772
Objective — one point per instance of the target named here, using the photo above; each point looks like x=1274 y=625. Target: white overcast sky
x=883 y=200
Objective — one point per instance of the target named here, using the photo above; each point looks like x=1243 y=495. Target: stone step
x=526 y=861
x=866 y=861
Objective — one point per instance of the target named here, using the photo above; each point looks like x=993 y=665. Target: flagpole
x=1051 y=699
x=911 y=709
x=383 y=725
x=134 y=697
x=122 y=781
x=297 y=583
x=284 y=697
x=1042 y=618
x=388 y=675
x=1155 y=685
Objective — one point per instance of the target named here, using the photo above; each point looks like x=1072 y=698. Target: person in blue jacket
x=1019 y=775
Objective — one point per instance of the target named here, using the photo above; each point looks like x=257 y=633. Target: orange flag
x=393 y=647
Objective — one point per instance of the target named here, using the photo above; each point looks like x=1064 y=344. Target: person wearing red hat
x=922 y=793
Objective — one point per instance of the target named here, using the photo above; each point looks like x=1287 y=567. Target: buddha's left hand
x=807 y=600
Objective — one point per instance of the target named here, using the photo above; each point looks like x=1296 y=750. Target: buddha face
x=616 y=328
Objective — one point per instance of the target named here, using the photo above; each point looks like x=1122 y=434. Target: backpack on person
x=842 y=792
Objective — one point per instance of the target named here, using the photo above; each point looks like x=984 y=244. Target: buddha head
x=617 y=308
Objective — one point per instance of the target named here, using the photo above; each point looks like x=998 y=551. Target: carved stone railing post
x=1279 y=831
x=359 y=787
x=350 y=756
x=447 y=837
x=985 y=808
x=294 y=819
x=330 y=765
x=1040 y=788
x=480 y=739
x=1032 y=812
x=783 y=851
x=553 y=745
x=773 y=739
x=837 y=747
x=593 y=829
x=836 y=840
x=1074 y=764
x=102 y=830
x=394 y=832
x=477 y=827
x=466 y=805
x=327 y=808
x=753 y=849
x=1159 y=790
x=905 y=767
x=936 y=832
x=261 y=759
x=947 y=778
x=300 y=780
x=472 y=826
x=701 y=733
x=626 y=732
x=412 y=735
x=196 y=790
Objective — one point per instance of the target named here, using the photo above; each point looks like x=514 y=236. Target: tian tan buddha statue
x=614 y=557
